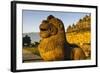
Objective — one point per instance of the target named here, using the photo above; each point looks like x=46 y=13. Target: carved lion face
x=53 y=36
x=50 y=27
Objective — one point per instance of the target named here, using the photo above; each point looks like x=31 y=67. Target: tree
x=26 y=40
x=36 y=44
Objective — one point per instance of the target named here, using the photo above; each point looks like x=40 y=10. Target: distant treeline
x=27 y=42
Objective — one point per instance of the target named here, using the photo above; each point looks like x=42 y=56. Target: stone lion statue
x=53 y=45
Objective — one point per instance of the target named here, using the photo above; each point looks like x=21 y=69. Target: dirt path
x=29 y=56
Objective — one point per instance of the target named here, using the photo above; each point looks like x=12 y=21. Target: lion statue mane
x=53 y=45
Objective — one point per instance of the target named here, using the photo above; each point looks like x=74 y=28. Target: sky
x=32 y=18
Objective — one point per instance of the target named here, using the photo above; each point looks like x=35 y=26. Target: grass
x=33 y=50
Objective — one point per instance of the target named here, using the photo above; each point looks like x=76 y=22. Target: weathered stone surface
x=53 y=45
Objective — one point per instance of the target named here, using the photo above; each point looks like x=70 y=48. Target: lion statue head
x=53 y=43
x=50 y=27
